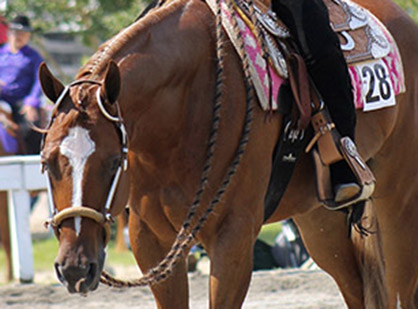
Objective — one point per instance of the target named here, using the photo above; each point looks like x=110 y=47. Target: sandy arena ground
x=293 y=289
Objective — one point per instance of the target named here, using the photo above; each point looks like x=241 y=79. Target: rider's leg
x=308 y=22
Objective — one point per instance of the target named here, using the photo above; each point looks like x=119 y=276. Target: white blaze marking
x=398 y=301
x=77 y=147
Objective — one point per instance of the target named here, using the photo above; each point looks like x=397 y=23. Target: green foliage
x=96 y=20
x=269 y=233
x=411 y=7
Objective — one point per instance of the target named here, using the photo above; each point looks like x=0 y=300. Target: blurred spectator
x=289 y=250
x=19 y=84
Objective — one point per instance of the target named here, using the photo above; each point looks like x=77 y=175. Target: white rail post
x=18 y=175
x=20 y=237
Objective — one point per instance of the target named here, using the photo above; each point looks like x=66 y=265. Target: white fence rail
x=18 y=176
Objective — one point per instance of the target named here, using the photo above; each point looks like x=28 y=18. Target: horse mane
x=114 y=46
x=149 y=7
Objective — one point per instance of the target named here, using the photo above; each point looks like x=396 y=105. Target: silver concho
x=352 y=151
x=359 y=16
x=269 y=21
x=350 y=147
x=380 y=46
x=276 y=56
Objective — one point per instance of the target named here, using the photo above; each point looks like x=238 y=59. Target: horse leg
x=149 y=248
x=120 y=245
x=399 y=232
x=325 y=236
x=231 y=256
x=5 y=233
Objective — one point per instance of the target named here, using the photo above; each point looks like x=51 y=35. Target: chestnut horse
x=157 y=79
x=5 y=121
x=5 y=234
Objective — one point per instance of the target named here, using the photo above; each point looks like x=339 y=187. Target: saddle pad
x=371 y=53
x=258 y=66
x=375 y=82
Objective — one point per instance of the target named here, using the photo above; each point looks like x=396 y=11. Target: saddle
x=360 y=40
x=360 y=33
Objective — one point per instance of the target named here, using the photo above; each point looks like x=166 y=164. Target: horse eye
x=114 y=163
x=51 y=166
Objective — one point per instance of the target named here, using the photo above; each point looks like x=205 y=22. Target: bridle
x=104 y=218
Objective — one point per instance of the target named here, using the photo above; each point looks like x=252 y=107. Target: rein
x=188 y=232
x=104 y=219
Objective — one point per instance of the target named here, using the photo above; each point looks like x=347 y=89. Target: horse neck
x=166 y=78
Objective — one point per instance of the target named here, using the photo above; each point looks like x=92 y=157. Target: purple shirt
x=8 y=142
x=19 y=72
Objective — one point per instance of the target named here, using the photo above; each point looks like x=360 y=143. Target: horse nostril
x=92 y=271
x=78 y=278
x=84 y=284
x=58 y=271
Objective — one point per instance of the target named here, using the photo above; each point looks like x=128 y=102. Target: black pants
x=309 y=25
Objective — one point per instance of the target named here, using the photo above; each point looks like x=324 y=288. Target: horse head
x=84 y=153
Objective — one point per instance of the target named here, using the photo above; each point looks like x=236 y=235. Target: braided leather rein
x=188 y=232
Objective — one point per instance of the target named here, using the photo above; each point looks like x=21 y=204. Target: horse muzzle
x=81 y=277
x=79 y=266
x=78 y=279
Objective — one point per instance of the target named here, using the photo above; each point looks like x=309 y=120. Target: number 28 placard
x=377 y=89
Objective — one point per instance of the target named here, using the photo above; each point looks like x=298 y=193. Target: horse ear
x=51 y=86
x=111 y=86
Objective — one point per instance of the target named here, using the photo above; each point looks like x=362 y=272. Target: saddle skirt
x=371 y=53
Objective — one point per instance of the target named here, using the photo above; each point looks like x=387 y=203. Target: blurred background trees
x=98 y=20
x=95 y=20
x=411 y=7
x=69 y=31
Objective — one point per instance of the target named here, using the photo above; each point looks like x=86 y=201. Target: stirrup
x=346 y=191
x=365 y=178
x=332 y=148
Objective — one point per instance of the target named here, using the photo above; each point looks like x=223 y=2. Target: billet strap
x=286 y=154
x=299 y=82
